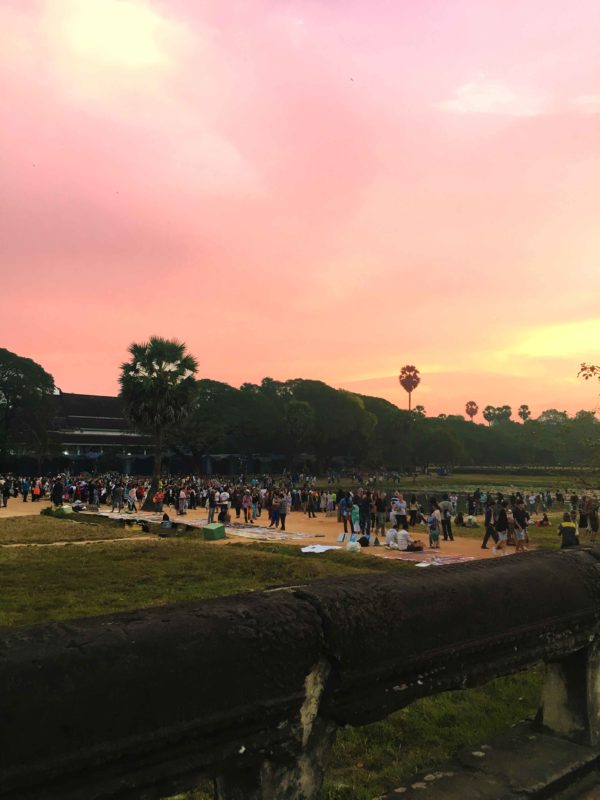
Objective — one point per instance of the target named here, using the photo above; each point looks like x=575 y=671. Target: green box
x=213 y=531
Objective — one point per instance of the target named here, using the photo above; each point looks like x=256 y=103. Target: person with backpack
x=434 y=525
x=567 y=530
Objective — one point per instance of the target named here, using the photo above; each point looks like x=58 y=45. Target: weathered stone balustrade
x=250 y=689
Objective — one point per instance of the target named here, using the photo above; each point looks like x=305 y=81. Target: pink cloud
x=277 y=184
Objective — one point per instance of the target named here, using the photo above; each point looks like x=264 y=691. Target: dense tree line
x=309 y=421
x=301 y=422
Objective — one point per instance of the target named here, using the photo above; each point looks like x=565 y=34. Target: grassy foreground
x=40 y=584
x=47 y=530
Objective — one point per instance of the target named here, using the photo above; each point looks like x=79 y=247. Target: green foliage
x=336 y=427
x=26 y=390
x=158 y=388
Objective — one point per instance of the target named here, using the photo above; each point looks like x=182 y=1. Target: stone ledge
x=522 y=764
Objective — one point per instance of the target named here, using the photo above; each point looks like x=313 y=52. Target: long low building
x=88 y=427
x=90 y=433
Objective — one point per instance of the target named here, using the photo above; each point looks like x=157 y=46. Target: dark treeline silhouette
x=300 y=418
x=298 y=422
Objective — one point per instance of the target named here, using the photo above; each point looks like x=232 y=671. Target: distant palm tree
x=157 y=388
x=524 y=412
x=409 y=380
x=420 y=410
x=489 y=414
x=471 y=409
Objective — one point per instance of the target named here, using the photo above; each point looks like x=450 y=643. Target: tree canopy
x=158 y=388
x=25 y=392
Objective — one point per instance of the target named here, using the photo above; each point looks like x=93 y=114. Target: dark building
x=89 y=430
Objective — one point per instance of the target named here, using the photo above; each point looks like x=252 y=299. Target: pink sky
x=318 y=189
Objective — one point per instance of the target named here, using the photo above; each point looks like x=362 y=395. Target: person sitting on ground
x=544 y=522
x=406 y=542
x=568 y=531
x=459 y=520
x=166 y=521
x=471 y=522
x=391 y=538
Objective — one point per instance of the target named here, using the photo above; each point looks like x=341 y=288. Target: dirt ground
x=320 y=530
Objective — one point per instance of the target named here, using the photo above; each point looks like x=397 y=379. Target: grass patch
x=43 y=584
x=46 y=530
x=385 y=755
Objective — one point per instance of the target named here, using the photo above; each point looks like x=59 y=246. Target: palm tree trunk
x=410 y=401
x=154 y=483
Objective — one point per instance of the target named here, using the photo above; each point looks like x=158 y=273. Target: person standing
x=502 y=529
x=117 y=498
x=212 y=506
x=521 y=518
x=312 y=504
x=247 y=506
x=380 y=513
x=344 y=512
x=401 y=513
x=490 y=530
x=365 y=514
x=446 y=512
x=434 y=524
x=283 y=510
x=182 y=501
x=275 y=501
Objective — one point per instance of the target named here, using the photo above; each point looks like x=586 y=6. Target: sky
x=306 y=188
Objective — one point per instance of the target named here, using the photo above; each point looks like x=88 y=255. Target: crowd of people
x=367 y=515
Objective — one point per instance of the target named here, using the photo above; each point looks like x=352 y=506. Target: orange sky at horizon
x=305 y=188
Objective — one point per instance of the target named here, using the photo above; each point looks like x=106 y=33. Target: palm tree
x=157 y=388
x=524 y=412
x=471 y=409
x=409 y=380
x=489 y=414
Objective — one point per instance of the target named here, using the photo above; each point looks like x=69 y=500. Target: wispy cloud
x=588 y=103
x=486 y=96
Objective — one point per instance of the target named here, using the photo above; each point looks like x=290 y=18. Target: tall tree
x=471 y=409
x=503 y=414
x=420 y=411
x=409 y=379
x=25 y=392
x=158 y=387
x=489 y=414
x=524 y=412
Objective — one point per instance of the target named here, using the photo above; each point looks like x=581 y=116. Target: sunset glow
x=306 y=188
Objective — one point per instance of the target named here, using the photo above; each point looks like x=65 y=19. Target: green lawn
x=43 y=583
x=54 y=583
x=489 y=482
x=45 y=530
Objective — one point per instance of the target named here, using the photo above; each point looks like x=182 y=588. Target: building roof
x=88 y=420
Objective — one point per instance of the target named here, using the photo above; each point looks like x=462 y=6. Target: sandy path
x=320 y=530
